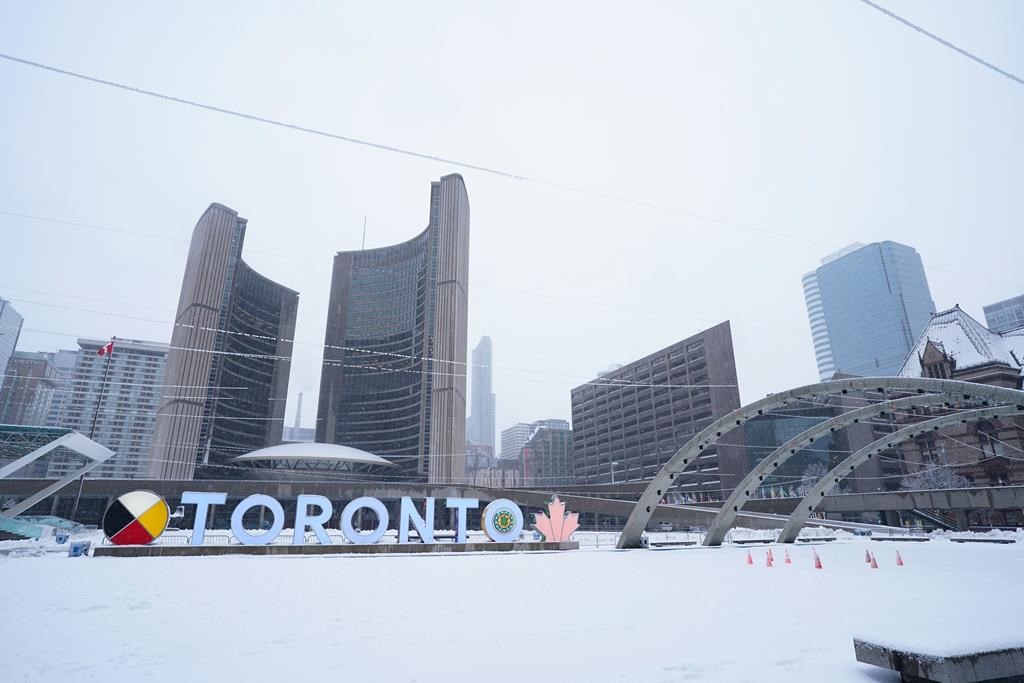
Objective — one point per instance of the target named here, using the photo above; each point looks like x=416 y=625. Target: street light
x=614 y=463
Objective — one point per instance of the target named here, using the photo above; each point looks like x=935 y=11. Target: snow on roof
x=314 y=452
x=967 y=342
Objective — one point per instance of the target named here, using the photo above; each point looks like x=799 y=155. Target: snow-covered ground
x=591 y=615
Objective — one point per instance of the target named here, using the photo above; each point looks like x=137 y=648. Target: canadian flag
x=105 y=349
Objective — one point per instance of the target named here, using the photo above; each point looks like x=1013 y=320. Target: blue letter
x=256 y=499
x=407 y=512
x=316 y=522
x=350 y=510
x=461 y=505
x=202 y=501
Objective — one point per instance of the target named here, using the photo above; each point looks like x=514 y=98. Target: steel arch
x=685 y=456
x=814 y=497
x=731 y=508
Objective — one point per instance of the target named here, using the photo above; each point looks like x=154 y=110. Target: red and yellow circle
x=136 y=518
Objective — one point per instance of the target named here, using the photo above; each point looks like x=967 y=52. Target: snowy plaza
x=597 y=614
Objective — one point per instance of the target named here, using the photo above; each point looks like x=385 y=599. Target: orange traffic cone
x=817 y=561
x=788 y=561
x=899 y=560
x=770 y=555
x=867 y=557
x=768 y=560
x=874 y=564
x=750 y=560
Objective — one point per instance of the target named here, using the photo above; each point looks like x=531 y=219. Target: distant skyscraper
x=1005 y=315
x=515 y=437
x=27 y=392
x=231 y=349
x=393 y=380
x=867 y=304
x=63 y=362
x=123 y=409
x=10 y=329
x=480 y=423
x=298 y=433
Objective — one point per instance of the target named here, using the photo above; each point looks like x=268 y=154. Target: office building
x=546 y=457
x=627 y=423
x=231 y=349
x=28 y=390
x=10 y=330
x=1006 y=315
x=866 y=304
x=480 y=423
x=114 y=399
x=63 y=362
x=393 y=380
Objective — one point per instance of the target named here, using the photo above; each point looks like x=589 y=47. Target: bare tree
x=935 y=478
x=811 y=476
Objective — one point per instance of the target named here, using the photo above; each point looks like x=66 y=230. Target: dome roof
x=314 y=452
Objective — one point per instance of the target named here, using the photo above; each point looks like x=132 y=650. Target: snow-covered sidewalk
x=591 y=615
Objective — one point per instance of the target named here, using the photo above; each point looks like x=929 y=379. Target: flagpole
x=92 y=427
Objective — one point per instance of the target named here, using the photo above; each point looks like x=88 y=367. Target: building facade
x=547 y=457
x=1006 y=315
x=113 y=400
x=867 y=304
x=28 y=390
x=10 y=330
x=480 y=423
x=230 y=356
x=393 y=381
x=629 y=422
x=63 y=363
x=986 y=453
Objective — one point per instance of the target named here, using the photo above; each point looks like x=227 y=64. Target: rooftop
x=967 y=342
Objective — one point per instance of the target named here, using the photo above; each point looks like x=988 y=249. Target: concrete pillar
x=961 y=520
x=53 y=505
x=892 y=518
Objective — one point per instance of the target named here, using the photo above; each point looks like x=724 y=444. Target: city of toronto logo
x=556 y=526
x=136 y=518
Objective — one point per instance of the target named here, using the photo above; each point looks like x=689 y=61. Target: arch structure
x=926 y=391
x=817 y=493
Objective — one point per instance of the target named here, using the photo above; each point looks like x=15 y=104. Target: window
x=987 y=441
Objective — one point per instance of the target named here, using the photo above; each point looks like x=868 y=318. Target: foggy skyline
x=825 y=122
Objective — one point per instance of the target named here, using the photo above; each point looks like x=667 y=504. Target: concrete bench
x=983 y=540
x=1005 y=665
x=669 y=544
x=816 y=539
x=912 y=539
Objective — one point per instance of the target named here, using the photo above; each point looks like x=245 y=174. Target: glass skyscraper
x=393 y=380
x=867 y=304
x=230 y=355
x=480 y=423
x=1005 y=315
x=10 y=329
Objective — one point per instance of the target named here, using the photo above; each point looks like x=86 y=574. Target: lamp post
x=614 y=463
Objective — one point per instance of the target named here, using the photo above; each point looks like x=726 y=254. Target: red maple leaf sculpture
x=556 y=526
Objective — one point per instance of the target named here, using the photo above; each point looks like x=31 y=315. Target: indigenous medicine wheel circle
x=136 y=518
x=504 y=521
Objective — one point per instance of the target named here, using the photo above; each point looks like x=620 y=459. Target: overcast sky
x=826 y=121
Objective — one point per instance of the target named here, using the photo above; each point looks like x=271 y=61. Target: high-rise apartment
x=480 y=423
x=231 y=349
x=113 y=399
x=393 y=380
x=10 y=329
x=628 y=422
x=1005 y=315
x=867 y=304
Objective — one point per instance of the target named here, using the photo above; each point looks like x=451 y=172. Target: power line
x=943 y=41
x=411 y=153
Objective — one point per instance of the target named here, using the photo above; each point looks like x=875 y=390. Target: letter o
x=349 y=512
x=502 y=521
x=255 y=500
